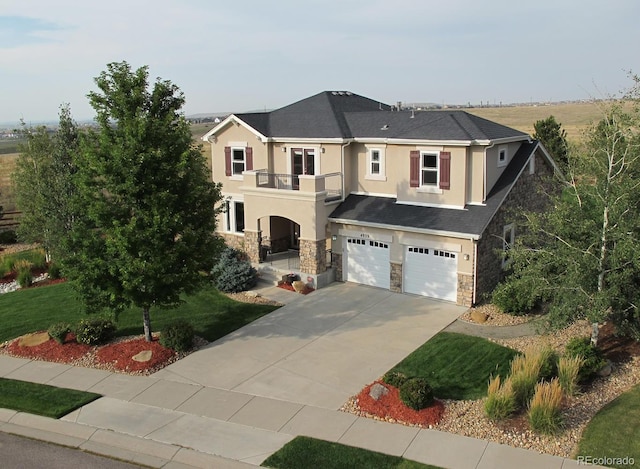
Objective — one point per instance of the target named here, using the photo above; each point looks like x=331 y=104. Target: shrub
x=177 y=336
x=54 y=271
x=515 y=297
x=233 y=272
x=59 y=331
x=592 y=357
x=544 y=410
x=94 y=331
x=8 y=237
x=568 y=370
x=395 y=378
x=416 y=393
x=21 y=265
x=525 y=370
x=25 y=278
x=500 y=402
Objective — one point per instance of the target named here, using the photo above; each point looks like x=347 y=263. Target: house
x=412 y=201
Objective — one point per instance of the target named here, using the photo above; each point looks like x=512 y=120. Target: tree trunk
x=146 y=321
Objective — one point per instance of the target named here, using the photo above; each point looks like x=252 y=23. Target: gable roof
x=471 y=222
x=345 y=115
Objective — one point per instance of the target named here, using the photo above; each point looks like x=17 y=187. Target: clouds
x=249 y=54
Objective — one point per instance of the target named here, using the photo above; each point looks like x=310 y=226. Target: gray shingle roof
x=471 y=221
x=342 y=114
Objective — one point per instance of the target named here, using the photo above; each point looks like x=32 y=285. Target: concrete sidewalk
x=180 y=418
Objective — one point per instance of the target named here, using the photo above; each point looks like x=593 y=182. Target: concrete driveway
x=319 y=349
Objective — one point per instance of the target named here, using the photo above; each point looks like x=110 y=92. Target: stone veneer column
x=337 y=266
x=252 y=245
x=396 y=277
x=313 y=256
x=465 y=290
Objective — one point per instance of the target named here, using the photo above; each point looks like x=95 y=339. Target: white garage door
x=431 y=272
x=368 y=262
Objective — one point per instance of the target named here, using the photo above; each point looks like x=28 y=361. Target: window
x=429 y=169
x=234 y=216
x=375 y=164
x=508 y=238
x=237 y=161
x=503 y=157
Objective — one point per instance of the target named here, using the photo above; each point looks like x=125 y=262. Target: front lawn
x=457 y=366
x=614 y=432
x=303 y=451
x=212 y=314
x=41 y=399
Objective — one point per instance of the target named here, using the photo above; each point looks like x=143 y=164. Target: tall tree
x=583 y=255
x=148 y=207
x=43 y=183
x=554 y=139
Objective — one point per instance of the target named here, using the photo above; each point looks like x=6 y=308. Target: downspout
x=342 y=169
x=475 y=272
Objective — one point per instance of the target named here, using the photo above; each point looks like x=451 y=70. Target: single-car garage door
x=431 y=272
x=368 y=262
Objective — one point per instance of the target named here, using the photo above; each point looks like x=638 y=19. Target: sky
x=247 y=55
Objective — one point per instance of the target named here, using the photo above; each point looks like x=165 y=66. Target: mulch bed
x=390 y=407
x=115 y=356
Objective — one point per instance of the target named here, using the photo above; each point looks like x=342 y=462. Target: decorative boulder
x=479 y=317
x=299 y=286
x=377 y=391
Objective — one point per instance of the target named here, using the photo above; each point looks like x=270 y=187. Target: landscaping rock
x=31 y=340
x=479 y=317
x=606 y=369
x=377 y=391
x=143 y=356
x=299 y=286
x=252 y=294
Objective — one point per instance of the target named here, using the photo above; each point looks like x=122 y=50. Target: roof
x=346 y=115
x=471 y=222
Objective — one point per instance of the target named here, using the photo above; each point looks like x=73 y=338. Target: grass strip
x=42 y=399
x=457 y=366
x=304 y=451
x=613 y=434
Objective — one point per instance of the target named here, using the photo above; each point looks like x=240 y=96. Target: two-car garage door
x=426 y=271
x=431 y=272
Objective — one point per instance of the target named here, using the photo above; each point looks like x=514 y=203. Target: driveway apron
x=319 y=349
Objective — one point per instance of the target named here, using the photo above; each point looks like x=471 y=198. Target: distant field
x=9 y=146
x=574 y=117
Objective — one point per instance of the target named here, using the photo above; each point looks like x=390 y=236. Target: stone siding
x=396 y=277
x=337 y=266
x=233 y=240
x=252 y=245
x=465 y=290
x=526 y=195
x=313 y=256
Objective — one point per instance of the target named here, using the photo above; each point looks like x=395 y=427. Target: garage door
x=368 y=262
x=431 y=272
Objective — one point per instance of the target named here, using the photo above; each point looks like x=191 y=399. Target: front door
x=302 y=162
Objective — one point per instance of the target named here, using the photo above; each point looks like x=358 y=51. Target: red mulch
x=116 y=356
x=287 y=286
x=51 y=350
x=390 y=406
x=617 y=348
x=120 y=354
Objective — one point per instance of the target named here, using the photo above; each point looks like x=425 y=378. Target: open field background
x=574 y=117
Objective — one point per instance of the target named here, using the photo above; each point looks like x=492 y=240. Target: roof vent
x=385 y=127
x=335 y=93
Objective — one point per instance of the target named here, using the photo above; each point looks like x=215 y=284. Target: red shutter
x=414 y=168
x=445 y=170
x=248 y=154
x=227 y=161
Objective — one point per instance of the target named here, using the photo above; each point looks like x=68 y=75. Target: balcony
x=327 y=184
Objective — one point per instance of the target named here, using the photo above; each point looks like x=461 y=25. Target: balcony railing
x=330 y=183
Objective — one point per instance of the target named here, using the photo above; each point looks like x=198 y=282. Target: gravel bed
x=467 y=417
x=495 y=317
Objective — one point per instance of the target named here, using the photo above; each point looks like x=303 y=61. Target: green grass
x=303 y=451
x=614 y=432
x=212 y=314
x=42 y=399
x=457 y=366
